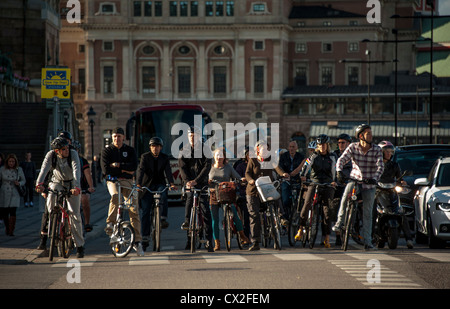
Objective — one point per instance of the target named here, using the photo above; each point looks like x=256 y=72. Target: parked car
x=432 y=205
x=418 y=159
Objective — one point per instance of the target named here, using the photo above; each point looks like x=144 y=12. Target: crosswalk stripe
x=224 y=258
x=373 y=255
x=439 y=256
x=298 y=257
x=69 y=262
x=148 y=260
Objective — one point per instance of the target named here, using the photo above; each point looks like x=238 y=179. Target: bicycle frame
x=350 y=215
x=196 y=223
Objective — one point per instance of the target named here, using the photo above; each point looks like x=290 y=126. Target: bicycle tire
x=314 y=225
x=156 y=229
x=65 y=244
x=193 y=229
x=275 y=227
x=347 y=224
x=293 y=226
x=125 y=239
x=238 y=236
x=54 y=219
x=228 y=228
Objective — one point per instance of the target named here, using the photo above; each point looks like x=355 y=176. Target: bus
x=148 y=122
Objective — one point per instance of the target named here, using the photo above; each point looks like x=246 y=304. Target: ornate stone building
x=274 y=61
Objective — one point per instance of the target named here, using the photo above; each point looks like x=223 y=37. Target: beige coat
x=9 y=196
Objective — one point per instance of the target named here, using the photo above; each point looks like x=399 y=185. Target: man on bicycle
x=119 y=162
x=290 y=163
x=194 y=167
x=367 y=166
x=154 y=169
x=66 y=174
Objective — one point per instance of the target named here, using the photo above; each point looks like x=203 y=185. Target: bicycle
x=270 y=216
x=353 y=217
x=59 y=226
x=295 y=208
x=226 y=198
x=196 y=222
x=155 y=230
x=123 y=234
x=315 y=215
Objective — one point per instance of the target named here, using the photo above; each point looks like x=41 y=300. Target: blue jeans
x=147 y=208
x=215 y=220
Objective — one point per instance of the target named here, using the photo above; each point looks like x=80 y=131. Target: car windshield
x=443 y=177
x=419 y=161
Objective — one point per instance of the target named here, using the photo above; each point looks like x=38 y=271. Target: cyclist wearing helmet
x=66 y=175
x=153 y=172
x=392 y=173
x=322 y=164
x=194 y=165
x=367 y=166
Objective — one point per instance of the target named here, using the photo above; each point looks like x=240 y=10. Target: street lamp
x=369 y=62
x=396 y=41
x=91 y=114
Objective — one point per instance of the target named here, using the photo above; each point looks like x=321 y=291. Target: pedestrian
x=64 y=165
x=119 y=163
x=221 y=171
x=194 y=165
x=367 y=166
x=252 y=173
x=87 y=187
x=11 y=176
x=29 y=170
x=322 y=164
x=154 y=172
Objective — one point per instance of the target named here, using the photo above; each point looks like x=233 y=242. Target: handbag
x=21 y=189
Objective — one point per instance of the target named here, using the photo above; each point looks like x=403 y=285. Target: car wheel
x=433 y=241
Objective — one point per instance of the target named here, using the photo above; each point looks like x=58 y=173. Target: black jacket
x=323 y=168
x=392 y=172
x=126 y=156
x=146 y=173
x=192 y=168
x=285 y=163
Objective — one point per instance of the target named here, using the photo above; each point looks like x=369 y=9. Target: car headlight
x=443 y=206
x=402 y=190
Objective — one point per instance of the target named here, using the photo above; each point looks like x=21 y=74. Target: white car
x=432 y=205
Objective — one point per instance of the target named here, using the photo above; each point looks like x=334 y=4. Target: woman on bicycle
x=322 y=164
x=221 y=171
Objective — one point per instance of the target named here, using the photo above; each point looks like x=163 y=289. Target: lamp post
x=369 y=62
x=91 y=114
x=396 y=41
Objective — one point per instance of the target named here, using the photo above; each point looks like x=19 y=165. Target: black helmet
x=156 y=141
x=77 y=145
x=66 y=135
x=360 y=129
x=345 y=136
x=59 y=143
x=323 y=139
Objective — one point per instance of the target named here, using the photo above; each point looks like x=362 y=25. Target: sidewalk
x=21 y=248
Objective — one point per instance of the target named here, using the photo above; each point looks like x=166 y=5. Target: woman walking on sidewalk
x=11 y=176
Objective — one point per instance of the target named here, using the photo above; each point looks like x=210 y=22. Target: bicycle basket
x=266 y=189
x=227 y=192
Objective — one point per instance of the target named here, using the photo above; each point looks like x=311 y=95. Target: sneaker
x=370 y=248
x=109 y=228
x=409 y=244
x=26 y=204
x=31 y=204
x=185 y=226
x=80 y=252
x=139 y=249
x=254 y=247
x=337 y=227
x=299 y=235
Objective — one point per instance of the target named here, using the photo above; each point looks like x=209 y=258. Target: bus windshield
x=159 y=123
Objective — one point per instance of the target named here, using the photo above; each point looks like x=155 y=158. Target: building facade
x=261 y=61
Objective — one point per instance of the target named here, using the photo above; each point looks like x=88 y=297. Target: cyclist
x=221 y=171
x=66 y=174
x=392 y=173
x=240 y=166
x=152 y=172
x=322 y=164
x=87 y=187
x=194 y=165
x=252 y=173
x=343 y=141
x=290 y=163
x=367 y=166
x=119 y=162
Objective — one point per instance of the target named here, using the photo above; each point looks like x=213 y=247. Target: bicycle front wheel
x=293 y=226
x=193 y=229
x=54 y=220
x=65 y=244
x=313 y=225
x=228 y=227
x=156 y=229
x=124 y=237
x=275 y=227
x=347 y=224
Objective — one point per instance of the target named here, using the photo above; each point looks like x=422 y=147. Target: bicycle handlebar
x=157 y=191
x=64 y=192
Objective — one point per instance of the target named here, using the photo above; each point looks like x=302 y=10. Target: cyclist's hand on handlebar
x=286 y=176
x=173 y=187
x=40 y=189
x=334 y=184
x=303 y=178
x=75 y=191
